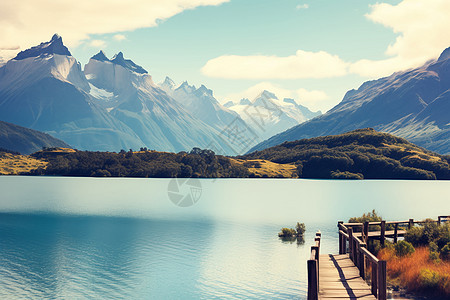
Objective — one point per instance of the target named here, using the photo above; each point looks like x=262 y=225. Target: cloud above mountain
x=423 y=32
x=303 y=64
x=27 y=22
x=310 y=98
x=421 y=25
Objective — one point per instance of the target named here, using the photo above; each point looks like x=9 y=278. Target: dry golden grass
x=63 y=150
x=414 y=153
x=12 y=164
x=261 y=167
x=417 y=272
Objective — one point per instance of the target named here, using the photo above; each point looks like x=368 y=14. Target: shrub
x=445 y=252
x=415 y=236
x=403 y=248
x=433 y=247
x=346 y=175
x=287 y=232
x=416 y=272
x=429 y=278
x=427 y=233
x=301 y=228
x=434 y=257
x=369 y=217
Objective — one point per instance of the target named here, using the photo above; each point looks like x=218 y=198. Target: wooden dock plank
x=339 y=279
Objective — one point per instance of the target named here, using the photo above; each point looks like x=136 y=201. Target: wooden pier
x=343 y=276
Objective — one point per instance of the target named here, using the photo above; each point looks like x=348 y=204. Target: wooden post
x=366 y=232
x=374 y=279
x=317 y=261
x=411 y=223
x=382 y=280
x=395 y=233
x=350 y=242
x=383 y=232
x=362 y=262
x=313 y=284
x=439 y=221
x=340 y=237
x=344 y=244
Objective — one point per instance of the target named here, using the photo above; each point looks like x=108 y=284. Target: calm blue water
x=72 y=238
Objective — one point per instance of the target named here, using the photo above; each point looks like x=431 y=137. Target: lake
x=72 y=238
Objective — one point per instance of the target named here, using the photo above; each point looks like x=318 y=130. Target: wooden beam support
x=382 y=284
x=313 y=280
x=374 y=279
x=366 y=232
x=395 y=233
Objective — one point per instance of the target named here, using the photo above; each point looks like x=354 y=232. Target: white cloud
x=423 y=33
x=303 y=64
x=29 y=22
x=423 y=29
x=119 y=37
x=312 y=99
x=302 y=6
x=97 y=43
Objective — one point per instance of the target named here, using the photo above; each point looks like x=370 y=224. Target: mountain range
x=267 y=115
x=114 y=104
x=413 y=104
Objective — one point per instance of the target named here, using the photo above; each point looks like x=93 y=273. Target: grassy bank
x=417 y=272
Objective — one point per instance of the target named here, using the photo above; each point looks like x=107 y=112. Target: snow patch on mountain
x=267 y=115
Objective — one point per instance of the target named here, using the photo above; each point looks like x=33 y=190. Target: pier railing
x=357 y=236
x=361 y=257
x=397 y=229
x=313 y=269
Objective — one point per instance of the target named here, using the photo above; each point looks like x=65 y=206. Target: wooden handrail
x=369 y=255
x=359 y=254
x=344 y=226
x=313 y=269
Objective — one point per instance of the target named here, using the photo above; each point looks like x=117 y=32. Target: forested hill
x=363 y=153
x=359 y=154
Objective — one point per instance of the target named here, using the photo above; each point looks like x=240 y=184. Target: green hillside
x=363 y=153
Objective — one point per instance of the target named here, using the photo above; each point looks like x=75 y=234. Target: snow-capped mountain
x=44 y=88
x=112 y=105
x=413 y=104
x=160 y=121
x=267 y=115
x=233 y=131
x=201 y=103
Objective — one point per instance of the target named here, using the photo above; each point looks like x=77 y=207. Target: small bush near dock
x=287 y=232
x=301 y=228
x=403 y=248
x=425 y=270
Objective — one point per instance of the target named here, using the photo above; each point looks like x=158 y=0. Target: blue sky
x=312 y=50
